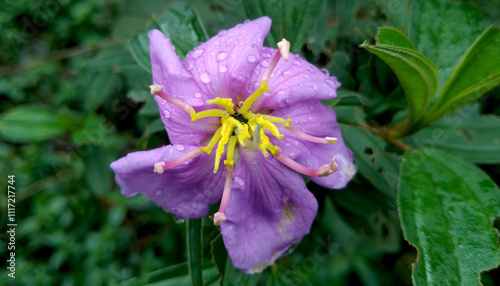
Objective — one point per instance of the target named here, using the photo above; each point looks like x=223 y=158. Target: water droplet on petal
x=238 y=181
x=280 y=92
x=287 y=73
x=287 y=144
x=264 y=63
x=166 y=113
x=315 y=87
x=297 y=63
x=306 y=76
x=205 y=77
x=222 y=32
x=197 y=94
x=246 y=21
x=180 y=147
x=251 y=58
x=197 y=53
x=158 y=192
x=221 y=56
x=325 y=71
x=222 y=68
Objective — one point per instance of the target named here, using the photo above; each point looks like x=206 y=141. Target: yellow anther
x=243 y=134
x=226 y=132
x=213 y=141
x=275 y=119
x=230 y=151
x=227 y=103
x=269 y=126
x=250 y=100
x=210 y=113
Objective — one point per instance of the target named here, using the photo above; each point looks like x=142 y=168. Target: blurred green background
x=83 y=101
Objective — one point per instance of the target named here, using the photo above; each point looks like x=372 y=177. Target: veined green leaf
x=447 y=207
x=418 y=75
x=464 y=133
x=292 y=19
x=372 y=161
x=181 y=24
x=477 y=72
x=443 y=31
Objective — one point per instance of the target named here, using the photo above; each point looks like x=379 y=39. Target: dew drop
x=264 y=63
x=205 y=77
x=197 y=94
x=297 y=63
x=325 y=71
x=287 y=144
x=238 y=181
x=251 y=58
x=222 y=68
x=221 y=56
x=306 y=76
x=158 y=192
x=180 y=147
x=315 y=87
x=197 y=53
x=280 y=92
x=287 y=73
x=222 y=33
x=166 y=113
x=246 y=21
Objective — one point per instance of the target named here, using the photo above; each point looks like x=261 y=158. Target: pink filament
x=174 y=101
x=219 y=217
x=177 y=161
x=294 y=165
x=327 y=140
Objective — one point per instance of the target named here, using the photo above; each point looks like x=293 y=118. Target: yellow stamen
x=230 y=151
x=213 y=141
x=276 y=119
x=226 y=131
x=250 y=100
x=211 y=112
x=227 y=103
x=269 y=126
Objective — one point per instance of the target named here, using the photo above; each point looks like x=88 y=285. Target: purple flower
x=245 y=121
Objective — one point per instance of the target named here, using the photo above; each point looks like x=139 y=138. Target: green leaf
x=477 y=72
x=219 y=254
x=194 y=243
x=171 y=276
x=393 y=37
x=444 y=30
x=292 y=19
x=97 y=174
x=235 y=277
x=181 y=24
x=418 y=75
x=464 y=133
x=34 y=124
x=372 y=161
x=447 y=207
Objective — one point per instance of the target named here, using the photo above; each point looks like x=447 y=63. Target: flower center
x=241 y=126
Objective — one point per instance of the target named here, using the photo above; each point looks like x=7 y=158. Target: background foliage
x=74 y=97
